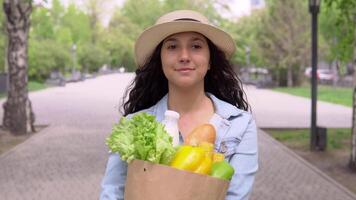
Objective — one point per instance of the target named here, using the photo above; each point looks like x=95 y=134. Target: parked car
x=323 y=75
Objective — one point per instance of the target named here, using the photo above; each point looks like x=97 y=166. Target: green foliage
x=42 y=26
x=206 y=7
x=120 y=46
x=143 y=13
x=46 y=56
x=92 y=57
x=34 y=86
x=78 y=24
x=3 y=39
x=245 y=33
x=284 y=36
x=54 y=30
x=338 y=26
x=64 y=36
x=57 y=12
x=276 y=37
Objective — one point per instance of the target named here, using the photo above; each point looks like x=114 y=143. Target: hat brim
x=151 y=37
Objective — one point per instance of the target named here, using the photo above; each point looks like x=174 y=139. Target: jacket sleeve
x=113 y=183
x=245 y=163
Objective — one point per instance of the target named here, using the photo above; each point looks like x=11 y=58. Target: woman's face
x=185 y=59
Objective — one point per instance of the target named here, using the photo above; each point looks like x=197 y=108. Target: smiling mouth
x=184 y=69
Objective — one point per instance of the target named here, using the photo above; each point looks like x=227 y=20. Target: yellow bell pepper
x=207 y=146
x=217 y=157
x=205 y=166
x=188 y=158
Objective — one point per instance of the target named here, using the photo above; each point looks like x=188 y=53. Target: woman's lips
x=184 y=69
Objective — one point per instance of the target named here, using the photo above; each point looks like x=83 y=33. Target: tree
x=46 y=56
x=143 y=13
x=336 y=38
x=283 y=38
x=78 y=23
x=245 y=34
x=17 y=104
x=49 y=42
x=41 y=24
x=2 y=41
x=57 y=11
x=94 y=10
x=92 y=57
x=346 y=22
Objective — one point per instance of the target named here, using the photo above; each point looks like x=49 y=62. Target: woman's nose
x=184 y=56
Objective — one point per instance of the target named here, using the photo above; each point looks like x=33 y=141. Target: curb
x=38 y=134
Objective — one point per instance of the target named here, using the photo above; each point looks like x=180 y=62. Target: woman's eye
x=196 y=46
x=171 y=46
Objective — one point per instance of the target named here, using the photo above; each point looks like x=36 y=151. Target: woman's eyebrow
x=170 y=39
x=198 y=39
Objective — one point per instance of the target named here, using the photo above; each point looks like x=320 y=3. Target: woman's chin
x=186 y=84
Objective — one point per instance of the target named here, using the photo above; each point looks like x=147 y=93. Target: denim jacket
x=236 y=138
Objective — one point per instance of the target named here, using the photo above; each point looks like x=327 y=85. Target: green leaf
x=143 y=138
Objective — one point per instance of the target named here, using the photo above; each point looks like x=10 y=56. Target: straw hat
x=176 y=22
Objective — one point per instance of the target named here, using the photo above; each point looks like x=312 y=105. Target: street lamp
x=247 y=50
x=314 y=6
x=74 y=50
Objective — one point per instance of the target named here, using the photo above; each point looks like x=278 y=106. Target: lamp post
x=314 y=11
x=247 y=50
x=74 y=50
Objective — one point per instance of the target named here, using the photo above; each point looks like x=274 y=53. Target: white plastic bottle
x=171 y=125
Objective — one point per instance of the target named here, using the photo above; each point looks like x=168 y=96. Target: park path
x=67 y=159
x=280 y=110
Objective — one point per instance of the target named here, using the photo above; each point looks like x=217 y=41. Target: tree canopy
x=276 y=37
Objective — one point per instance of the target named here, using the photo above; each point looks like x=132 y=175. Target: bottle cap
x=171 y=113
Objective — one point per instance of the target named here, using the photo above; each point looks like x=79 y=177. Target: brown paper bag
x=148 y=181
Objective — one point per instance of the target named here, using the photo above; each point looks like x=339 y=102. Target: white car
x=323 y=75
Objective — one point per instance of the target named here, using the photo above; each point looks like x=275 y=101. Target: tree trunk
x=352 y=163
x=289 y=76
x=353 y=138
x=17 y=104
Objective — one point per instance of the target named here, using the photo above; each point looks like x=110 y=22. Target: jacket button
x=223 y=147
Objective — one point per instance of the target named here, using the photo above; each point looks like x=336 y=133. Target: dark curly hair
x=150 y=83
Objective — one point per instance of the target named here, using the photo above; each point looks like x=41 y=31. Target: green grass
x=32 y=86
x=337 y=138
x=337 y=95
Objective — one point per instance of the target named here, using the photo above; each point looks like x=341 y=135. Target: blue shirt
x=236 y=138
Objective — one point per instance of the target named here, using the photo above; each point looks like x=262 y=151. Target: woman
x=183 y=66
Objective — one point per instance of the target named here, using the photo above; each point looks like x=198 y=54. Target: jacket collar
x=160 y=108
x=222 y=108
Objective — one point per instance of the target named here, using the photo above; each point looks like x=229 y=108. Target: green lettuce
x=141 y=137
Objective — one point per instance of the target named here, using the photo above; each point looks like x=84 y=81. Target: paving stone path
x=67 y=159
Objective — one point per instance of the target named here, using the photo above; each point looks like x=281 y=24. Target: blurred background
x=81 y=60
x=77 y=39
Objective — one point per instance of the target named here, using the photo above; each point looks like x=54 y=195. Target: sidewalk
x=278 y=110
x=67 y=159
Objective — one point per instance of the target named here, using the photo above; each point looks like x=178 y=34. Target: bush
x=92 y=57
x=46 y=56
